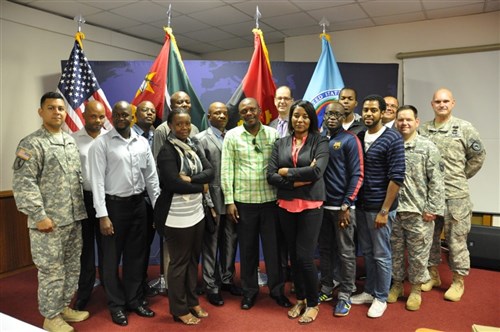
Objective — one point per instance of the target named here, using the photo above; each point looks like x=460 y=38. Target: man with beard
x=352 y=121
x=94 y=116
x=377 y=202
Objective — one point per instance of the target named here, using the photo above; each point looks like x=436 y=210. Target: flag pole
x=160 y=284
x=324 y=23
x=257 y=16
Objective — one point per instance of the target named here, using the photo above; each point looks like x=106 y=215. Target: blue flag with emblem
x=326 y=81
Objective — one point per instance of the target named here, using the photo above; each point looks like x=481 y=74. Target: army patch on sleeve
x=22 y=156
x=476 y=146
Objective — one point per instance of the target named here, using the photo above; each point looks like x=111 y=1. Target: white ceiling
x=204 y=26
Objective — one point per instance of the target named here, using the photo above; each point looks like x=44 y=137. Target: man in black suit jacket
x=218 y=270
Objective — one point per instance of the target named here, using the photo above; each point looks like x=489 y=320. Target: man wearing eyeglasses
x=283 y=100
x=251 y=201
x=343 y=179
x=145 y=115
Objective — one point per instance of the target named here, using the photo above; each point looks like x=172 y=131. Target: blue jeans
x=376 y=246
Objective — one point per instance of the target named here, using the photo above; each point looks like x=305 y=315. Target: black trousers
x=150 y=235
x=184 y=246
x=301 y=232
x=91 y=235
x=259 y=220
x=128 y=243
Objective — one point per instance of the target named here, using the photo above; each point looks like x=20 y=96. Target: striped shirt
x=384 y=162
x=244 y=164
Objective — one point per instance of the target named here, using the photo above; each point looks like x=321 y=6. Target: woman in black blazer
x=296 y=168
x=184 y=174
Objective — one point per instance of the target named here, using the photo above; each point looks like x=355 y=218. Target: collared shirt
x=121 y=167
x=219 y=134
x=244 y=165
x=84 y=142
x=138 y=130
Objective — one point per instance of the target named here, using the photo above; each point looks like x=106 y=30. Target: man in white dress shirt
x=94 y=116
x=122 y=167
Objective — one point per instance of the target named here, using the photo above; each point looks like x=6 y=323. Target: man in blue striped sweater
x=377 y=202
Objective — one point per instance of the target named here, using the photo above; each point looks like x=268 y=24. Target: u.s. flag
x=78 y=85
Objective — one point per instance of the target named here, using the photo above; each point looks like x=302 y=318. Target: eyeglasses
x=337 y=115
x=256 y=147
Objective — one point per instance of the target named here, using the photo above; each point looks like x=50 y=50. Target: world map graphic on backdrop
x=217 y=80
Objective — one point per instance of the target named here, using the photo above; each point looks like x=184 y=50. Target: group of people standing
x=377 y=183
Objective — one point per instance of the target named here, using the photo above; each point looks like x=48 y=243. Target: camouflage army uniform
x=422 y=191
x=463 y=156
x=47 y=183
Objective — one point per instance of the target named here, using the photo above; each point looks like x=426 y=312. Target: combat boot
x=415 y=299
x=56 y=324
x=70 y=315
x=435 y=280
x=456 y=290
x=395 y=291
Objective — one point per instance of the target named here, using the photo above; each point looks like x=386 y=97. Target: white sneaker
x=377 y=308
x=362 y=298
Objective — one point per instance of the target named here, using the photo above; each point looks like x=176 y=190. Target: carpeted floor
x=480 y=305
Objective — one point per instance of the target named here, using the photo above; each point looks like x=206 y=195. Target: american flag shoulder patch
x=23 y=154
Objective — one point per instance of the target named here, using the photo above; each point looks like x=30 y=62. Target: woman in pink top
x=296 y=168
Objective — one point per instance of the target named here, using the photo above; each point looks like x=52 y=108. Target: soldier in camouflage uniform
x=421 y=199
x=463 y=155
x=47 y=188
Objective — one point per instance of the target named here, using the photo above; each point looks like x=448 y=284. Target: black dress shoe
x=233 y=289
x=215 y=299
x=150 y=291
x=282 y=301
x=119 y=318
x=144 y=311
x=247 y=302
x=80 y=304
x=200 y=290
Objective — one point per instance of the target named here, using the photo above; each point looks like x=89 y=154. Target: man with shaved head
x=251 y=201
x=95 y=117
x=145 y=115
x=122 y=170
x=463 y=155
x=219 y=246
x=179 y=99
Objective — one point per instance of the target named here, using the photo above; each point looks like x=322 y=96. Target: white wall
x=32 y=44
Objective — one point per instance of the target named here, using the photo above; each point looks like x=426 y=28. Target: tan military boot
x=435 y=280
x=395 y=291
x=56 y=324
x=414 y=300
x=70 y=315
x=456 y=290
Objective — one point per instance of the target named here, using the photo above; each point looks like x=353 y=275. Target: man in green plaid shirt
x=251 y=201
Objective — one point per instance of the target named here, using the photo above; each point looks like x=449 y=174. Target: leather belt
x=125 y=199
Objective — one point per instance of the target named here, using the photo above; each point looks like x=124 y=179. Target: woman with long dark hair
x=296 y=168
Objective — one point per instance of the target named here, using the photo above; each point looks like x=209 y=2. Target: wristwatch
x=344 y=207
x=383 y=212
